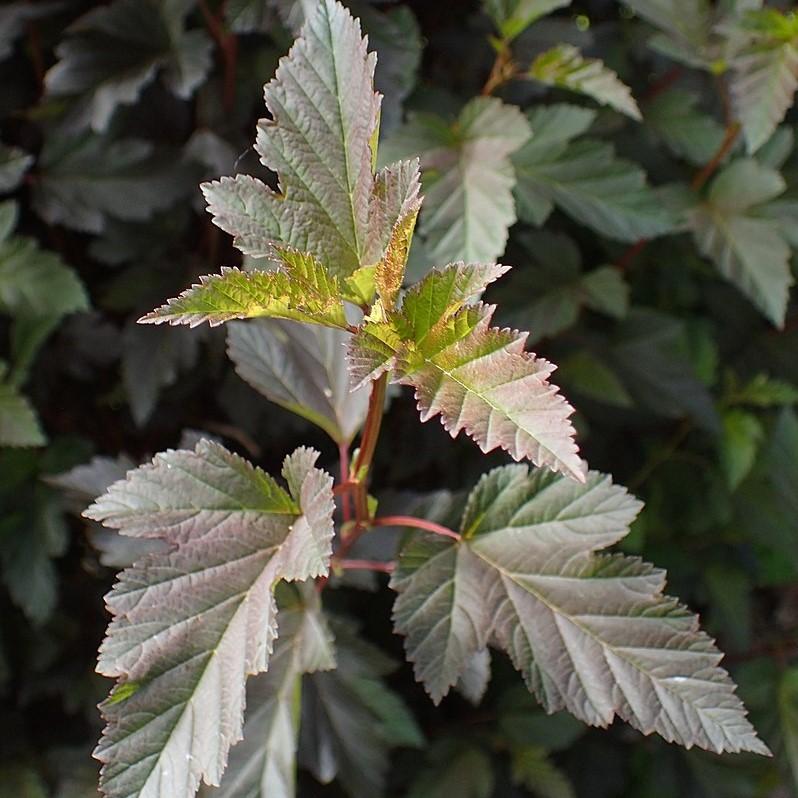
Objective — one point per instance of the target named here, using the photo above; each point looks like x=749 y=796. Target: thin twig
x=343 y=458
x=366 y=565
x=418 y=523
x=503 y=69
x=368 y=444
x=729 y=138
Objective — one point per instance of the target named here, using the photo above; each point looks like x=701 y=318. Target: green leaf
x=687 y=22
x=19 y=424
x=300 y=367
x=585 y=374
x=478 y=378
x=37 y=283
x=674 y=116
x=742 y=435
x=762 y=391
x=513 y=17
x=564 y=67
x=325 y=113
x=559 y=287
x=264 y=763
x=765 y=74
x=29 y=542
x=533 y=768
x=14 y=162
x=747 y=248
x=455 y=769
x=390 y=271
x=468 y=177
x=302 y=291
x=585 y=179
x=233 y=532
x=350 y=718
x=591 y=633
x=113 y=52
x=788 y=710
x=81 y=181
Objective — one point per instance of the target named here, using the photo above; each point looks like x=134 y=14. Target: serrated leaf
x=234 y=533
x=763 y=391
x=586 y=180
x=467 y=175
x=591 y=633
x=14 y=162
x=674 y=116
x=19 y=424
x=473 y=681
x=533 y=768
x=748 y=249
x=83 y=180
x=765 y=74
x=350 y=718
x=513 y=17
x=37 y=283
x=324 y=111
x=264 y=763
x=565 y=67
x=301 y=368
x=303 y=290
x=113 y=52
x=478 y=378
x=390 y=271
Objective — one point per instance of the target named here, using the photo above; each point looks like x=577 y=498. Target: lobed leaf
x=586 y=179
x=563 y=66
x=468 y=177
x=264 y=763
x=765 y=74
x=478 y=378
x=190 y=624
x=591 y=633
x=319 y=141
x=747 y=248
x=19 y=424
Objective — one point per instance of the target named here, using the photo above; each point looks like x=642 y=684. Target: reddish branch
x=729 y=138
x=366 y=565
x=417 y=523
x=343 y=457
x=227 y=43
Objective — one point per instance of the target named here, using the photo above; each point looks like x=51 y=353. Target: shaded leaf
x=742 y=435
x=585 y=179
x=350 y=719
x=83 y=180
x=533 y=768
x=590 y=632
x=302 y=368
x=788 y=710
x=14 y=162
x=455 y=769
x=197 y=501
x=114 y=51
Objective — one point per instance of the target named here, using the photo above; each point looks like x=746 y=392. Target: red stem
x=343 y=455
x=228 y=46
x=368 y=444
x=367 y=565
x=418 y=523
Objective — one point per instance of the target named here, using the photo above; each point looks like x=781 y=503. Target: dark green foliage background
x=123 y=209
